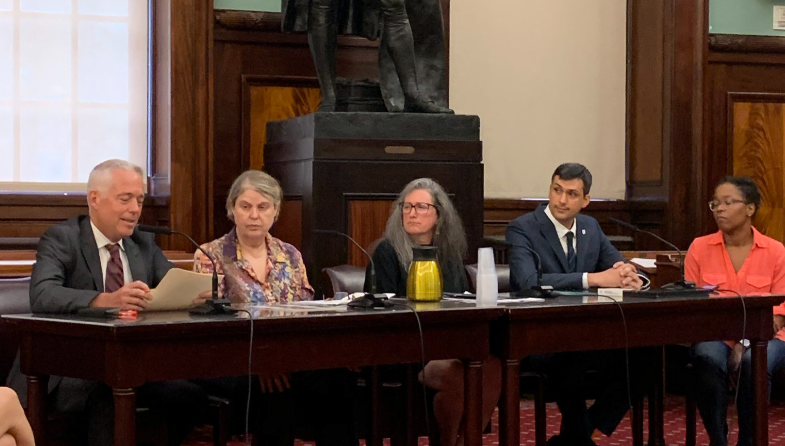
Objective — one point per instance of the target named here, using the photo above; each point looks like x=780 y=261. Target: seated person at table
x=740 y=259
x=258 y=269
x=577 y=255
x=423 y=215
x=14 y=428
x=100 y=260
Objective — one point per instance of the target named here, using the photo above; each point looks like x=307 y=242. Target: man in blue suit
x=576 y=255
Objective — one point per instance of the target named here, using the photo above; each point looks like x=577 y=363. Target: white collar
x=561 y=231
x=101 y=240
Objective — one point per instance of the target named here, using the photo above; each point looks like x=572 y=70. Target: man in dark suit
x=101 y=260
x=577 y=255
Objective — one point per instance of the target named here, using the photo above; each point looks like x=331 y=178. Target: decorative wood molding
x=248 y=20
x=732 y=43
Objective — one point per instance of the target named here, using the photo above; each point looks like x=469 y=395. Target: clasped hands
x=620 y=275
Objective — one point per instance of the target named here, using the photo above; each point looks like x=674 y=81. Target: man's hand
x=631 y=280
x=779 y=323
x=621 y=275
x=274 y=384
x=132 y=296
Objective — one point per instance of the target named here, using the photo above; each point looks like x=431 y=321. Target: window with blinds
x=73 y=90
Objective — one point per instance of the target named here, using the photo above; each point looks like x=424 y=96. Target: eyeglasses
x=419 y=208
x=715 y=204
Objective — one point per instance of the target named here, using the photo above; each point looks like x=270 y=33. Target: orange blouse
x=763 y=272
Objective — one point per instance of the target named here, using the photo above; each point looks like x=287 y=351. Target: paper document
x=645 y=263
x=179 y=288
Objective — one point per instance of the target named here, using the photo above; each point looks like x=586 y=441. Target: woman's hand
x=779 y=323
x=205 y=295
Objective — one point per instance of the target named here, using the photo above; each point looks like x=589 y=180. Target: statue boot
x=322 y=39
x=398 y=37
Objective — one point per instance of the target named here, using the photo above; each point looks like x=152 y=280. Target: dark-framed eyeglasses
x=419 y=208
x=715 y=204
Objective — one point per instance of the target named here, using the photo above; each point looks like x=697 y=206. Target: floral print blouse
x=286 y=279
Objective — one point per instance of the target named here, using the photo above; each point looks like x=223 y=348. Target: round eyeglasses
x=715 y=204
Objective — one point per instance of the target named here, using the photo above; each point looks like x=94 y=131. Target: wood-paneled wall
x=745 y=84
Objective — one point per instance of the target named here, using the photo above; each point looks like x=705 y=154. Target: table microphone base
x=213 y=306
x=369 y=302
x=541 y=292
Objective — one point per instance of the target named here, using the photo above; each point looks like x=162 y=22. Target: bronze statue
x=411 y=55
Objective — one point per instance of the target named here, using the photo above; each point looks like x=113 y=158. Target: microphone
x=214 y=305
x=370 y=300
x=539 y=290
x=681 y=283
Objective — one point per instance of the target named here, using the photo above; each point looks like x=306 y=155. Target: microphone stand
x=369 y=300
x=682 y=283
x=214 y=305
x=540 y=291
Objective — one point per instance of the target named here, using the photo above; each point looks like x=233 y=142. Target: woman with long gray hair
x=423 y=215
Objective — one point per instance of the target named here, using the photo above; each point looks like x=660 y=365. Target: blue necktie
x=572 y=260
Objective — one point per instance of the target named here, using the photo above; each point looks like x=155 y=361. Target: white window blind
x=73 y=90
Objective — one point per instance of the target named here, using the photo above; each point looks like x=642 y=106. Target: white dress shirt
x=562 y=231
x=103 y=252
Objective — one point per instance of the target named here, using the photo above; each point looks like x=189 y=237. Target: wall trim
x=732 y=43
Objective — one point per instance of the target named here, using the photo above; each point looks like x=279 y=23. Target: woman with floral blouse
x=259 y=269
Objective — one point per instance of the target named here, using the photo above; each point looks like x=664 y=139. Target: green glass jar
x=424 y=282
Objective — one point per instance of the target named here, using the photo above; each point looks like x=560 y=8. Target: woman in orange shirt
x=741 y=259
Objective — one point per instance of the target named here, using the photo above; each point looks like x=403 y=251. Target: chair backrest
x=14 y=299
x=345 y=278
x=502 y=275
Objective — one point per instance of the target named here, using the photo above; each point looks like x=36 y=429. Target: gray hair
x=101 y=175
x=260 y=182
x=449 y=237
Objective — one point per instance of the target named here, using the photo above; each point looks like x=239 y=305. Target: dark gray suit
x=594 y=251
x=66 y=277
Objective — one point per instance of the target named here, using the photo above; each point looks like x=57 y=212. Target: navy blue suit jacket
x=536 y=231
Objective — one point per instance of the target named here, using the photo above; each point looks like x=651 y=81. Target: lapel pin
x=583 y=231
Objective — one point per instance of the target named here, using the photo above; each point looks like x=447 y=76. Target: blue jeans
x=710 y=364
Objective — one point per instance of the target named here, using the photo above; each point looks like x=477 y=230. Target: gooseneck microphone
x=370 y=300
x=214 y=305
x=539 y=290
x=681 y=283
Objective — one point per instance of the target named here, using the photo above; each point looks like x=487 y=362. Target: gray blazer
x=67 y=275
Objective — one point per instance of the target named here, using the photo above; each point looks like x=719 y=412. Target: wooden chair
x=398 y=390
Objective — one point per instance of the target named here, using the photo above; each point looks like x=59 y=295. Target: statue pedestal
x=341 y=171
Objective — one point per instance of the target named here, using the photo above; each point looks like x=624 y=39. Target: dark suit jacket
x=67 y=273
x=536 y=231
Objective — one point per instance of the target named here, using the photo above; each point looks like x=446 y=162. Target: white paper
x=645 y=263
x=178 y=289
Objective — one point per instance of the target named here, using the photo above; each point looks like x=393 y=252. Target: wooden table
x=568 y=324
x=174 y=345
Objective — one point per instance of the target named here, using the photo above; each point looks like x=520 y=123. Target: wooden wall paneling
x=756 y=137
x=289 y=224
x=690 y=34
x=646 y=47
x=191 y=119
x=740 y=69
x=667 y=55
x=366 y=222
x=272 y=98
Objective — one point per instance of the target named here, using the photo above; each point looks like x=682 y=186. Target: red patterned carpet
x=674 y=427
